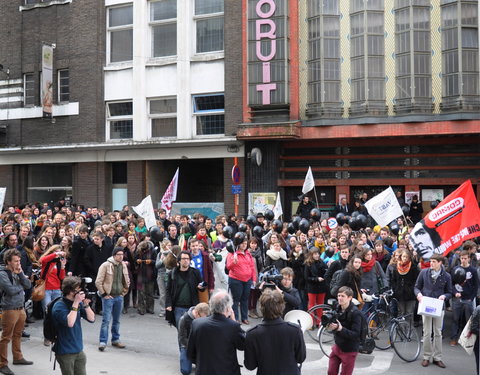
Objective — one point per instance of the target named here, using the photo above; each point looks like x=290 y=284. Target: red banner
x=455 y=220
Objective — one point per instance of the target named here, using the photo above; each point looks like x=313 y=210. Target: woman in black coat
x=315 y=270
x=403 y=280
x=352 y=275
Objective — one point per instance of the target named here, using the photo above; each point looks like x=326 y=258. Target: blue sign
x=236 y=189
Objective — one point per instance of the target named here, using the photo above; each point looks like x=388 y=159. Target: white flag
x=145 y=210
x=2 y=197
x=384 y=207
x=277 y=209
x=170 y=195
x=309 y=183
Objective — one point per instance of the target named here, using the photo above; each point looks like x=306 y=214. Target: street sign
x=236 y=174
x=236 y=189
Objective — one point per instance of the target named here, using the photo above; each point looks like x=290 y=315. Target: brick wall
x=136 y=181
x=92 y=184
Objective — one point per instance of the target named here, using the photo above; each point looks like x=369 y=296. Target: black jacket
x=275 y=347
x=213 y=345
x=292 y=299
x=193 y=279
x=402 y=285
x=348 y=279
x=185 y=327
x=77 y=261
x=94 y=257
x=348 y=339
x=303 y=210
x=299 y=270
x=312 y=273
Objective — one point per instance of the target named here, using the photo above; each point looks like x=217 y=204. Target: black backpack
x=335 y=282
x=49 y=329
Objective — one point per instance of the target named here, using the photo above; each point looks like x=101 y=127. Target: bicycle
x=314 y=332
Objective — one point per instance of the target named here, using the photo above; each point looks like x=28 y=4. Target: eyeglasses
x=184 y=258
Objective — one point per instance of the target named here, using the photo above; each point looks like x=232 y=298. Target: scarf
x=367 y=267
x=276 y=255
x=378 y=257
x=404 y=268
x=435 y=274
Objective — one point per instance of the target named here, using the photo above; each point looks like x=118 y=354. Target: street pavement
x=152 y=349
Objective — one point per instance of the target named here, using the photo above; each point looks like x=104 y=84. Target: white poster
x=2 y=197
x=47 y=81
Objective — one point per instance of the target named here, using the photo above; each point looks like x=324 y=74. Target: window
x=209 y=25
x=120 y=33
x=209 y=112
x=367 y=56
x=324 y=57
x=120 y=120
x=460 y=67
x=163 y=24
x=28 y=89
x=413 y=56
x=63 y=85
x=163 y=115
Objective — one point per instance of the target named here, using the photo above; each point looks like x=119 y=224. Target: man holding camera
x=66 y=314
x=112 y=284
x=346 y=331
x=274 y=346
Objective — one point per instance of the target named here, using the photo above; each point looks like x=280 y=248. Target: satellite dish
x=256 y=156
x=302 y=318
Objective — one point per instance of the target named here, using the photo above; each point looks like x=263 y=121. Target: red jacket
x=244 y=269
x=53 y=278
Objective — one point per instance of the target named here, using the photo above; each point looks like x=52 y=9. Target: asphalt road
x=152 y=349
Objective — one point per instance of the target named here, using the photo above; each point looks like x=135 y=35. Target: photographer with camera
x=274 y=346
x=66 y=314
x=345 y=321
x=283 y=283
x=112 y=283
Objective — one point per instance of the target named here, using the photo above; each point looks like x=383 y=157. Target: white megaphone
x=302 y=318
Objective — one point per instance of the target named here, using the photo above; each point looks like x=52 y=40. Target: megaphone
x=302 y=318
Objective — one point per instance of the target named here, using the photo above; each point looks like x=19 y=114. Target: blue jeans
x=50 y=295
x=112 y=308
x=240 y=292
x=178 y=313
x=185 y=363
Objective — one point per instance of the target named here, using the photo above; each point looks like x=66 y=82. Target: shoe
x=46 y=342
x=118 y=345
x=453 y=343
x=25 y=334
x=22 y=361
x=425 y=363
x=141 y=312
x=102 y=347
x=124 y=311
x=150 y=312
x=439 y=364
x=161 y=315
x=6 y=371
x=252 y=314
x=246 y=322
x=30 y=320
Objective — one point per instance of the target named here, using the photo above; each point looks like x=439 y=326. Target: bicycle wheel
x=405 y=340
x=326 y=341
x=378 y=324
x=314 y=332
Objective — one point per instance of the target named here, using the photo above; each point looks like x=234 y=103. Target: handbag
x=467 y=339
x=360 y=299
x=38 y=292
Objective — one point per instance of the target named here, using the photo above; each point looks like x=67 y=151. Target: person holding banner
x=433 y=282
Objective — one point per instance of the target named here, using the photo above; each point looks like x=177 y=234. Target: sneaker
x=161 y=315
x=46 y=342
x=6 y=371
x=22 y=361
x=25 y=334
x=118 y=344
x=453 y=343
x=102 y=347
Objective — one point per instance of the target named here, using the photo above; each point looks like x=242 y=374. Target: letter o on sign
x=270 y=12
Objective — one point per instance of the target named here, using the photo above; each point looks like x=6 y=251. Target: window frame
x=111 y=29
x=110 y=119
x=32 y=89
x=165 y=115
x=153 y=23
x=202 y=17
x=59 y=86
x=197 y=113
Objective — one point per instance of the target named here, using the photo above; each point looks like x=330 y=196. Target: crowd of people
x=183 y=260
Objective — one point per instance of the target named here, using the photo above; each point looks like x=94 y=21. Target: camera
x=270 y=276
x=329 y=317
x=84 y=286
x=203 y=284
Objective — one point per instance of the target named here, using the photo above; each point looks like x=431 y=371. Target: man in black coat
x=343 y=208
x=274 y=346
x=305 y=207
x=214 y=341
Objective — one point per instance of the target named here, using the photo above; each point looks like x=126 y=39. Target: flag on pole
x=277 y=209
x=170 y=195
x=2 y=197
x=384 y=207
x=309 y=183
x=145 y=210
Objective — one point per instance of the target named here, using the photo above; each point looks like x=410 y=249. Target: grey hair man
x=222 y=329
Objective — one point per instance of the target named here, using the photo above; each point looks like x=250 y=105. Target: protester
x=66 y=314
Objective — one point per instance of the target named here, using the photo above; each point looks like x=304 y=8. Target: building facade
x=138 y=90
x=368 y=93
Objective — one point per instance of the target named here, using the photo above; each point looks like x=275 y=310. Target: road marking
x=377 y=363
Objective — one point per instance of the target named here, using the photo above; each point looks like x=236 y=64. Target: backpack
x=49 y=329
x=335 y=283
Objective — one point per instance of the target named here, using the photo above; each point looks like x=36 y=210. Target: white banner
x=277 y=209
x=309 y=182
x=170 y=195
x=384 y=207
x=47 y=81
x=145 y=210
x=3 y=191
